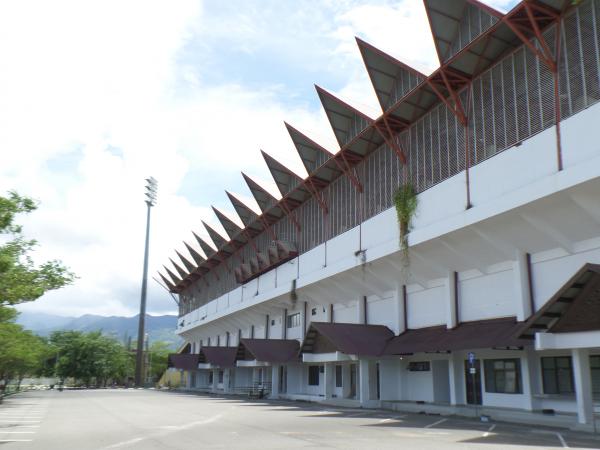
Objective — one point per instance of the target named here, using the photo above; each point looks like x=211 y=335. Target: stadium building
x=490 y=301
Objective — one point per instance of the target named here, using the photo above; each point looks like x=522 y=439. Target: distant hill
x=159 y=328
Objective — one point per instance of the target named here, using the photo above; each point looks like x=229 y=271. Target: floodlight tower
x=139 y=360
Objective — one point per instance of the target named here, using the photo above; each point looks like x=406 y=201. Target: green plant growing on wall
x=406 y=202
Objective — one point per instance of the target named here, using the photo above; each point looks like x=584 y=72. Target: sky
x=95 y=96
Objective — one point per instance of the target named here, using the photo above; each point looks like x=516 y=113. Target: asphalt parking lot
x=148 y=419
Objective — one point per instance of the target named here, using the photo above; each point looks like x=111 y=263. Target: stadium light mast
x=139 y=359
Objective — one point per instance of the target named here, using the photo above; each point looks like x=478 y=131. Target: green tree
x=20 y=279
x=159 y=353
x=90 y=357
x=22 y=353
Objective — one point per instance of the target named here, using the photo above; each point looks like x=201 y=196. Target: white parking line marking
x=385 y=420
x=18 y=432
x=490 y=429
x=562 y=440
x=435 y=423
x=16 y=440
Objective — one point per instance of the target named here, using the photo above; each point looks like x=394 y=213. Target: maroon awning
x=348 y=338
x=493 y=333
x=223 y=357
x=269 y=350
x=184 y=361
x=575 y=306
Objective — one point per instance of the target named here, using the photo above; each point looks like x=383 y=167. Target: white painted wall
x=312 y=260
x=581 y=137
x=426 y=307
x=486 y=296
x=553 y=269
x=380 y=311
x=343 y=246
x=287 y=272
x=345 y=313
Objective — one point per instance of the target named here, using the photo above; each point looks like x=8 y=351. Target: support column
x=526 y=376
x=226 y=380
x=361 y=309
x=346 y=381
x=329 y=374
x=583 y=385
x=215 y=382
x=275 y=380
x=364 y=382
x=451 y=301
x=456 y=379
x=522 y=286
x=400 y=305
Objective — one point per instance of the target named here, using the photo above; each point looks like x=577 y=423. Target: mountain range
x=158 y=328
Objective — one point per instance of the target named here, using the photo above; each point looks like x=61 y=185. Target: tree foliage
x=90 y=357
x=21 y=352
x=20 y=279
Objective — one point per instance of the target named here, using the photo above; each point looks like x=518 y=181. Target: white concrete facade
x=529 y=228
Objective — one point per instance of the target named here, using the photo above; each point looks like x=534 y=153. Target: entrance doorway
x=473 y=383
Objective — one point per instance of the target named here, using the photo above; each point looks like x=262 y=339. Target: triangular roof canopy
x=263 y=198
x=182 y=273
x=247 y=215
x=493 y=333
x=198 y=258
x=168 y=282
x=268 y=350
x=187 y=263
x=231 y=228
x=455 y=24
x=285 y=179
x=348 y=338
x=175 y=278
x=217 y=239
x=391 y=78
x=575 y=306
x=347 y=122
x=312 y=154
x=206 y=248
x=223 y=357
x=183 y=361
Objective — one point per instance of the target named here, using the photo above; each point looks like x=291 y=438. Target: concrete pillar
x=364 y=383
x=346 y=381
x=329 y=375
x=451 y=301
x=456 y=370
x=215 y=382
x=275 y=380
x=522 y=290
x=227 y=380
x=360 y=309
x=583 y=385
x=400 y=310
x=526 y=376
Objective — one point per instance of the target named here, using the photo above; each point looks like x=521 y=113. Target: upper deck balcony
x=523 y=180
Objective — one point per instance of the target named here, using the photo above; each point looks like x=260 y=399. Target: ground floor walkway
x=148 y=419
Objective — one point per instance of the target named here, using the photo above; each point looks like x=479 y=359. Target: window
x=220 y=376
x=293 y=320
x=595 y=368
x=419 y=366
x=272 y=322
x=313 y=375
x=313 y=312
x=557 y=375
x=210 y=377
x=503 y=376
x=338 y=376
